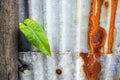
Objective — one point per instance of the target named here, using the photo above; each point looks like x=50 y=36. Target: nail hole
x=106 y=4
x=23 y=67
x=59 y=71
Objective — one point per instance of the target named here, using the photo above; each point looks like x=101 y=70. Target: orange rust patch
x=96 y=34
x=106 y=4
x=95 y=14
x=96 y=40
x=97 y=37
x=113 y=6
x=91 y=66
x=59 y=71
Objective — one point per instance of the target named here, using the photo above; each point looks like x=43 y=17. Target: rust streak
x=96 y=34
x=113 y=6
x=95 y=14
x=106 y=4
x=96 y=40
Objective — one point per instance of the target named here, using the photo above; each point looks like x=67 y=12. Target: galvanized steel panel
x=66 y=25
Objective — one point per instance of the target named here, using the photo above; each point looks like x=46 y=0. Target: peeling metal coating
x=66 y=25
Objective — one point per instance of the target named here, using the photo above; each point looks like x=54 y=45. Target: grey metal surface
x=44 y=68
x=66 y=25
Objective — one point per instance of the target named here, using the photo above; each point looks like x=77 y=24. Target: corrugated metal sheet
x=66 y=25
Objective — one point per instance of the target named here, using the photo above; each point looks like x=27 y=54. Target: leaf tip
x=27 y=20
x=20 y=23
x=49 y=54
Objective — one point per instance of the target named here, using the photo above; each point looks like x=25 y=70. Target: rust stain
x=96 y=34
x=113 y=6
x=59 y=71
x=96 y=40
x=97 y=37
x=95 y=14
x=91 y=66
x=106 y=4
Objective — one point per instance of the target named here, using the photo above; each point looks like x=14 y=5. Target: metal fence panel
x=66 y=24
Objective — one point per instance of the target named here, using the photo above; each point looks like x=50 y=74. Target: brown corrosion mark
x=95 y=14
x=106 y=4
x=91 y=66
x=59 y=71
x=96 y=34
x=113 y=6
x=96 y=40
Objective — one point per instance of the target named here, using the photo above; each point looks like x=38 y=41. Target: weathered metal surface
x=66 y=25
x=44 y=68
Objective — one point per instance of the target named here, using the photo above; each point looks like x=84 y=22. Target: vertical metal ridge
x=50 y=67
x=65 y=64
x=111 y=70
x=81 y=26
x=37 y=66
x=79 y=74
x=36 y=10
x=116 y=46
x=52 y=23
x=104 y=20
x=107 y=27
x=66 y=25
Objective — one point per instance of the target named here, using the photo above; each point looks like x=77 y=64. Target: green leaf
x=36 y=35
